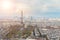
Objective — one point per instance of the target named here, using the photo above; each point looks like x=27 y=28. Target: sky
x=35 y=8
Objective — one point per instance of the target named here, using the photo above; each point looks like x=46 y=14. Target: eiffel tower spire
x=21 y=17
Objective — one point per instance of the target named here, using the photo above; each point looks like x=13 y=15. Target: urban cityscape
x=30 y=28
x=29 y=19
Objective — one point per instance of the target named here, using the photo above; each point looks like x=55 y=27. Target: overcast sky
x=35 y=8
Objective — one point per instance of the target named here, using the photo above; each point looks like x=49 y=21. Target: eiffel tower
x=13 y=28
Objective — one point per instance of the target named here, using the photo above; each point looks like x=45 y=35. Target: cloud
x=43 y=8
x=38 y=7
x=56 y=1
